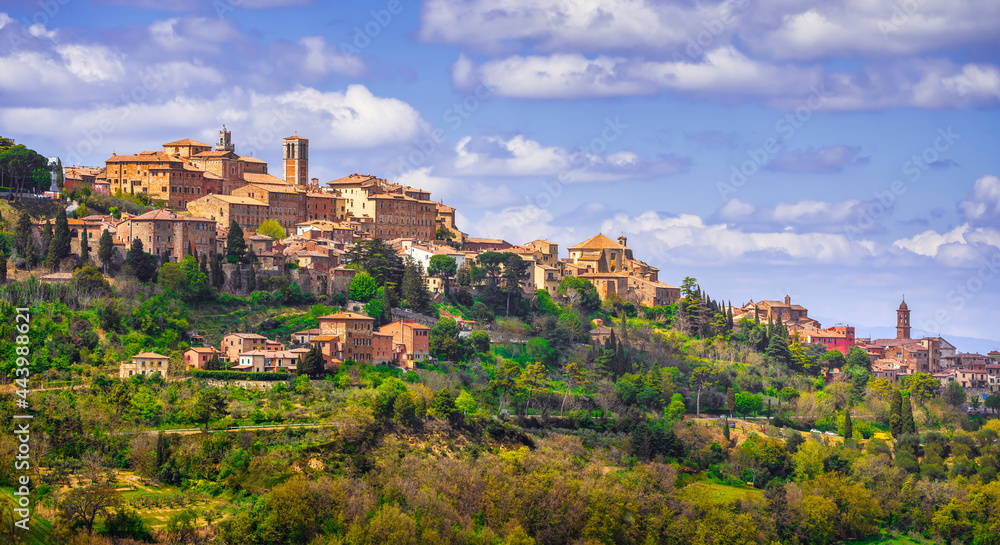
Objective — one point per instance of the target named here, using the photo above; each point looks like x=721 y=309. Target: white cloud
x=354 y=118
x=458 y=192
x=984 y=202
x=727 y=74
x=323 y=59
x=522 y=156
x=929 y=242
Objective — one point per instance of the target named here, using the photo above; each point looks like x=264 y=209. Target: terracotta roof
x=345 y=316
x=296 y=137
x=235 y=200
x=312 y=331
x=246 y=335
x=214 y=154
x=248 y=159
x=259 y=236
x=276 y=188
x=187 y=142
x=203 y=349
x=475 y=240
x=150 y=355
x=597 y=242
x=325 y=338
x=258 y=178
x=164 y=215
x=158 y=156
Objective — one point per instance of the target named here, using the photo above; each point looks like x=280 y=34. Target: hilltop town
x=200 y=191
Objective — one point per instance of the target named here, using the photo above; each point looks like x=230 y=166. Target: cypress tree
x=84 y=247
x=730 y=400
x=61 y=236
x=3 y=269
x=46 y=238
x=896 y=414
x=31 y=256
x=237 y=279
x=725 y=428
x=52 y=258
x=236 y=246
x=909 y=426
x=848 y=426
x=22 y=234
x=105 y=249
x=203 y=267
x=252 y=280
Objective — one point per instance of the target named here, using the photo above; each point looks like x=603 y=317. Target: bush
x=238 y=375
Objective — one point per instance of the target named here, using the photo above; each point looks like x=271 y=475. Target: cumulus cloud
x=459 y=192
x=827 y=160
x=801 y=216
x=983 y=204
x=522 y=156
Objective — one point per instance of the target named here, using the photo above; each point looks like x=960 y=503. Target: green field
x=704 y=492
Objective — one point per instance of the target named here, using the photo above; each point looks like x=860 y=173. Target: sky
x=842 y=152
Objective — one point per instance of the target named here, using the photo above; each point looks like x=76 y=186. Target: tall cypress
x=909 y=425
x=896 y=414
x=22 y=234
x=46 y=238
x=61 y=236
x=105 y=249
x=848 y=425
x=84 y=246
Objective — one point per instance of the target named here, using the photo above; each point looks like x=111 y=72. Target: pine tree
x=84 y=246
x=848 y=426
x=896 y=414
x=105 y=249
x=414 y=290
x=725 y=428
x=730 y=400
x=3 y=269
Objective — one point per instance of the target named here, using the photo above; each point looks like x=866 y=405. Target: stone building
x=145 y=363
x=161 y=232
x=248 y=213
x=354 y=331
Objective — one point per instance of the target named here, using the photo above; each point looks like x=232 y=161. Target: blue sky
x=840 y=152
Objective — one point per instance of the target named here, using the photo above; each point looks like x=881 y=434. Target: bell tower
x=225 y=141
x=295 y=160
x=903 y=321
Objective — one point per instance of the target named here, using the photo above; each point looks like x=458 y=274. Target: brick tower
x=295 y=160
x=225 y=141
x=903 y=321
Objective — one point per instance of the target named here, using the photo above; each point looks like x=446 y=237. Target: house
x=164 y=232
x=145 y=363
x=253 y=361
x=283 y=359
x=198 y=356
x=354 y=331
x=304 y=336
x=382 y=348
x=600 y=333
x=413 y=338
x=237 y=343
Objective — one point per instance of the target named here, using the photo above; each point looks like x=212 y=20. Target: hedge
x=240 y=375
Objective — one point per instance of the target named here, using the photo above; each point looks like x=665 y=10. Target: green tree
x=105 y=249
x=442 y=404
x=311 y=364
x=992 y=402
x=443 y=233
x=414 y=290
x=138 y=263
x=833 y=359
x=60 y=236
x=272 y=229
x=848 y=425
x=3 y=269
x=46 y=239
x=363 y=287
x=466 y=403
x=505 y=380
x=857 y=357
x=909 y=425
x=480 y=341
x=533 y=380
x=84 y=246
x=747 y=403
x=24 y=169
x=896 y=413
x=236 y=246
x=922 y=386
x=443 y=267
x=588 y=299
x=701 y=378
x=777 y=351
x=675 y=411
x=82 y=506
x=574 y=376
x=184 y=279
x=208 y=403
x=215 y=270
x=22 y=233
x=731 y=400
x=252 y=273
x=954 y=394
